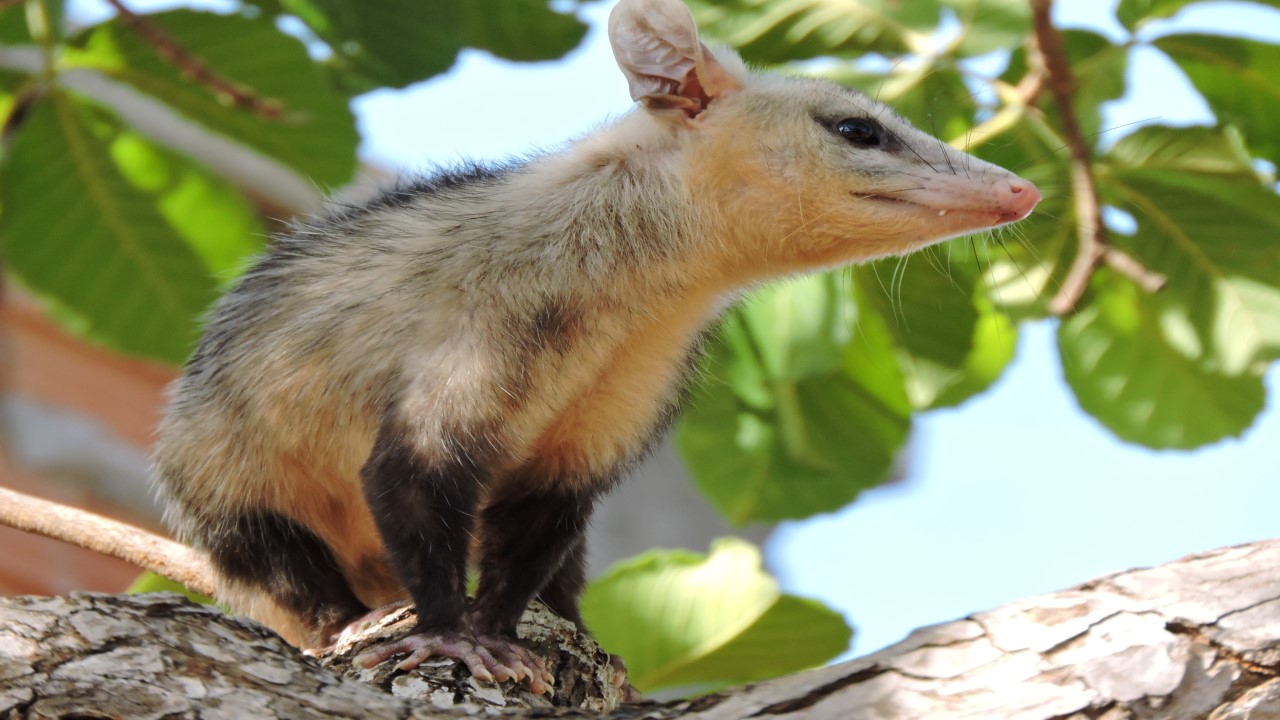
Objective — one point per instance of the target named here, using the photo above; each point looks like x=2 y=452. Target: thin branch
x=108 y=537
x=1130 y=267
x=1093 y=248
x=173 y=52
x=1048 y=52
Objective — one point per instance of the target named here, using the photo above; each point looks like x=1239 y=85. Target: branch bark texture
x=1197 y=638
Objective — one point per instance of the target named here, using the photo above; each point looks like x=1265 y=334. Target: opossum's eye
x=860 y=131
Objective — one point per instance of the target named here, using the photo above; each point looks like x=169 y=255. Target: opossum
x=457 y=370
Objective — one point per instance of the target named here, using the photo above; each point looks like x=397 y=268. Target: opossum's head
x=801 y=173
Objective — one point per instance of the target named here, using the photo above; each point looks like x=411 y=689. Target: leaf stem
x=174 y=53
x=1093 y=249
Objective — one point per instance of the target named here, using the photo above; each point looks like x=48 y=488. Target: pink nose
x=1019 y=198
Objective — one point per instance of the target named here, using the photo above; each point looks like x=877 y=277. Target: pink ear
x=656 y=44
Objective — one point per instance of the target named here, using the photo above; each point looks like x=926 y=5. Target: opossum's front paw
x=487 y=657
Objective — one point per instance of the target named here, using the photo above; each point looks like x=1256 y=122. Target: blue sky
x=1015 y=493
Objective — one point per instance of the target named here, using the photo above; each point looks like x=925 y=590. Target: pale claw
x=515 y=655
x=488 y=658
x=629 y=692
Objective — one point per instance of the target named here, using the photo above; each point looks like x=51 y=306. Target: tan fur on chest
x=624 y=397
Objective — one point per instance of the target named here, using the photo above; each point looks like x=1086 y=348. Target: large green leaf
x=19 y=20
x=1128 y=372
x=102 y=226
x=13 y=25
x=1134 y=13
x=680 y=619
x=950 y=341
x=1240 y=81
x=208 y=213
x=995 y=339
x=520 y=29
x=776 y=31
x=1099 y=67
x=804 y=407
x=315 y=132
x=987 y=25
x=390 y=42
x=1205 y=221
x=393 y=43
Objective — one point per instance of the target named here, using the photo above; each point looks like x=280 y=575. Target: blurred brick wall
x=120 y=399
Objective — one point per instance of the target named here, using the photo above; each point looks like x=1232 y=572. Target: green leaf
x=805 y=406
x=520 y=29
x=149 y=582
x=13 y=25
x=1210 y=226
x=925 y=305
x=950 y=342
x=1135 y=13
x=988 y=25
x=211 y=216
x=1100 y=68
x=390 y=43
x=776 y=31
x=315 y=132
x=79 y=232
x=1127 y=371
x=995 y=339
x=681 y=619
x=1238 y=79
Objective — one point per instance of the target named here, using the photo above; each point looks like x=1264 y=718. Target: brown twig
x=1130 y=267
x=108 y=537
x=1093 y=248
x=174 y=53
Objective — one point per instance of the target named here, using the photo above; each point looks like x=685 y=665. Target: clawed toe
x=488 y=658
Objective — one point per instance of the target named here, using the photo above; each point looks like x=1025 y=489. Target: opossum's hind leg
x=529 y=534
x=565 y=587
x=292 y=566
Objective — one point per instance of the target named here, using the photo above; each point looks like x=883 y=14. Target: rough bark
x=1197 y=638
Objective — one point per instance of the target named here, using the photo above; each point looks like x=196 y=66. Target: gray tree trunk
x=1196 y=638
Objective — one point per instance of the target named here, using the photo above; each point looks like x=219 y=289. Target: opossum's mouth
x=1004 y=201
x=983 y=218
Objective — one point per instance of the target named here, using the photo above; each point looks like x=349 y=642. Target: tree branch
x=1092 y=246
x=106 y=536
x=1199 y=637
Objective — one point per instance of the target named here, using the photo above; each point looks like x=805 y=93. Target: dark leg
x=291 y=564
x=528 y=534
x=562 y=592
x=424 y=511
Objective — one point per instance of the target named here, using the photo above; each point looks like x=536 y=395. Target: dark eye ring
x=860 y=131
